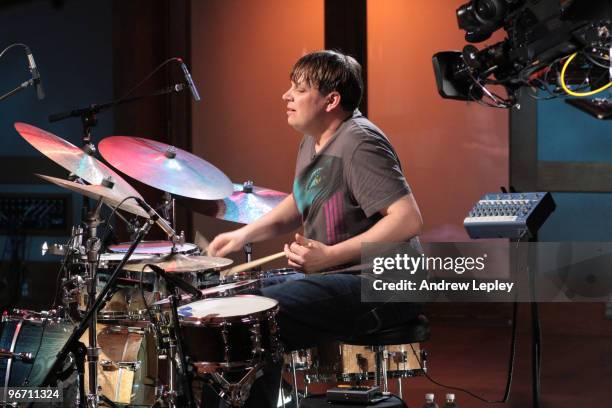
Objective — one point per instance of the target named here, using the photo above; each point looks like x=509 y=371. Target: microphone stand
x=88 y=113
x=73 y=341
x=89 y=119
x=93 y=351
x=21 y=86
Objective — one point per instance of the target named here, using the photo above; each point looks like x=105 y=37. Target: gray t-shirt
x=340 y=190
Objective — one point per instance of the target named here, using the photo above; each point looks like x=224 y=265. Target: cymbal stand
x=247 y=188
x=168 y=211
x=93 y=246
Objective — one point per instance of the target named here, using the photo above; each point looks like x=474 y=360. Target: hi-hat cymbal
x=247 y=204
x=178 y=263
x=74 y=159
x=166 y=167
x=108 y=195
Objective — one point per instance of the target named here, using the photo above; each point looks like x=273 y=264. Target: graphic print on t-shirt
x=319 y=188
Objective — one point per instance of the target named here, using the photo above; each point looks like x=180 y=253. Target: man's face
x=305 y=107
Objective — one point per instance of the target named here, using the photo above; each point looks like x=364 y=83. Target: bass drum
x=42 y=337
x=340 y=362
x=25 y=335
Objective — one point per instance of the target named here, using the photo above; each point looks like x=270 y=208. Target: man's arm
x=282 y=218
x=400 y=222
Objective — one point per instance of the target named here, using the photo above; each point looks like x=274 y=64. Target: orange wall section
x=242 y=52
x=451 y=151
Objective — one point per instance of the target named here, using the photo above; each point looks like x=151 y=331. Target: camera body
x=539 y=33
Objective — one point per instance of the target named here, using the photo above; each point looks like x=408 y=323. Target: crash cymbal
x=74 y=159
x=166 y=167
x=178 y=263
x=108 y=195
x=247 y=204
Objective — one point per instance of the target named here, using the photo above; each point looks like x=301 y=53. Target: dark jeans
x=318 y=309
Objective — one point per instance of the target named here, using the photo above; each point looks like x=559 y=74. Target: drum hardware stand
x=79 y=357
x=168 y=211
x=168 y=208
x=236 y=394
x=177 y=366
x=248 y=251
x=88 y=319
x=380 y=375
x=93 y=247
x=247 y=188
x=296 y=392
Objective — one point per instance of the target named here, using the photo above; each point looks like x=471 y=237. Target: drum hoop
x=228 y=321
x=221 y=321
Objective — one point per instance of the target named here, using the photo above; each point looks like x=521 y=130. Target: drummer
x=349 y=188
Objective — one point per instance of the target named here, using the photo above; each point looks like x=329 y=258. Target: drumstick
x=249 y=265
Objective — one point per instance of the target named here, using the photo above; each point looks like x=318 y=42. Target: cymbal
x=166 y=167
x=74 y=159
x=108 y=195
x=178 y=263
x=247 y=204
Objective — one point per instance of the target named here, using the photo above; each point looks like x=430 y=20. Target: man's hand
x=308 y=255
x=227 y=242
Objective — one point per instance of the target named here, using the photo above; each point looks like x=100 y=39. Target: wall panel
x=452 y=152
x=242 y=52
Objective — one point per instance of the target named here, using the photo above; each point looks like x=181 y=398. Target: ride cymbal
x=166 y=167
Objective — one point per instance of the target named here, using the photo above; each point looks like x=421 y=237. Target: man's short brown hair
x=330 y=71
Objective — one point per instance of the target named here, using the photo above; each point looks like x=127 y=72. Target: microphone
x=35 y=74
x=176 y=281
x=192 y=87
x=163 y=224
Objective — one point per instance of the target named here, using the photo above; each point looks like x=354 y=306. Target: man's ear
x=333 y=101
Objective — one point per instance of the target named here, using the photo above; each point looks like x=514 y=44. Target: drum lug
x=398 y=357
x=227 y=348
x=256 y=339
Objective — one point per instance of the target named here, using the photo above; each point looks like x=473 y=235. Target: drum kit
x=122 y=333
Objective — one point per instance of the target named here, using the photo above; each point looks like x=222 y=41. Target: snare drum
x=230 y=333
x=333 y=362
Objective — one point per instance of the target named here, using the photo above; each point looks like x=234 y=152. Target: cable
x=511 y=357
x=12 y=46
x=510 y=367
x=128 y=93
x=591 y=58
x=578 y=94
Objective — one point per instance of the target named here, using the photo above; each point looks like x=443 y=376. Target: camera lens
x=486 y=9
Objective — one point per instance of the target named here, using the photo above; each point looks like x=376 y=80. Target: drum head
x=220 y=308
x=154 y=247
